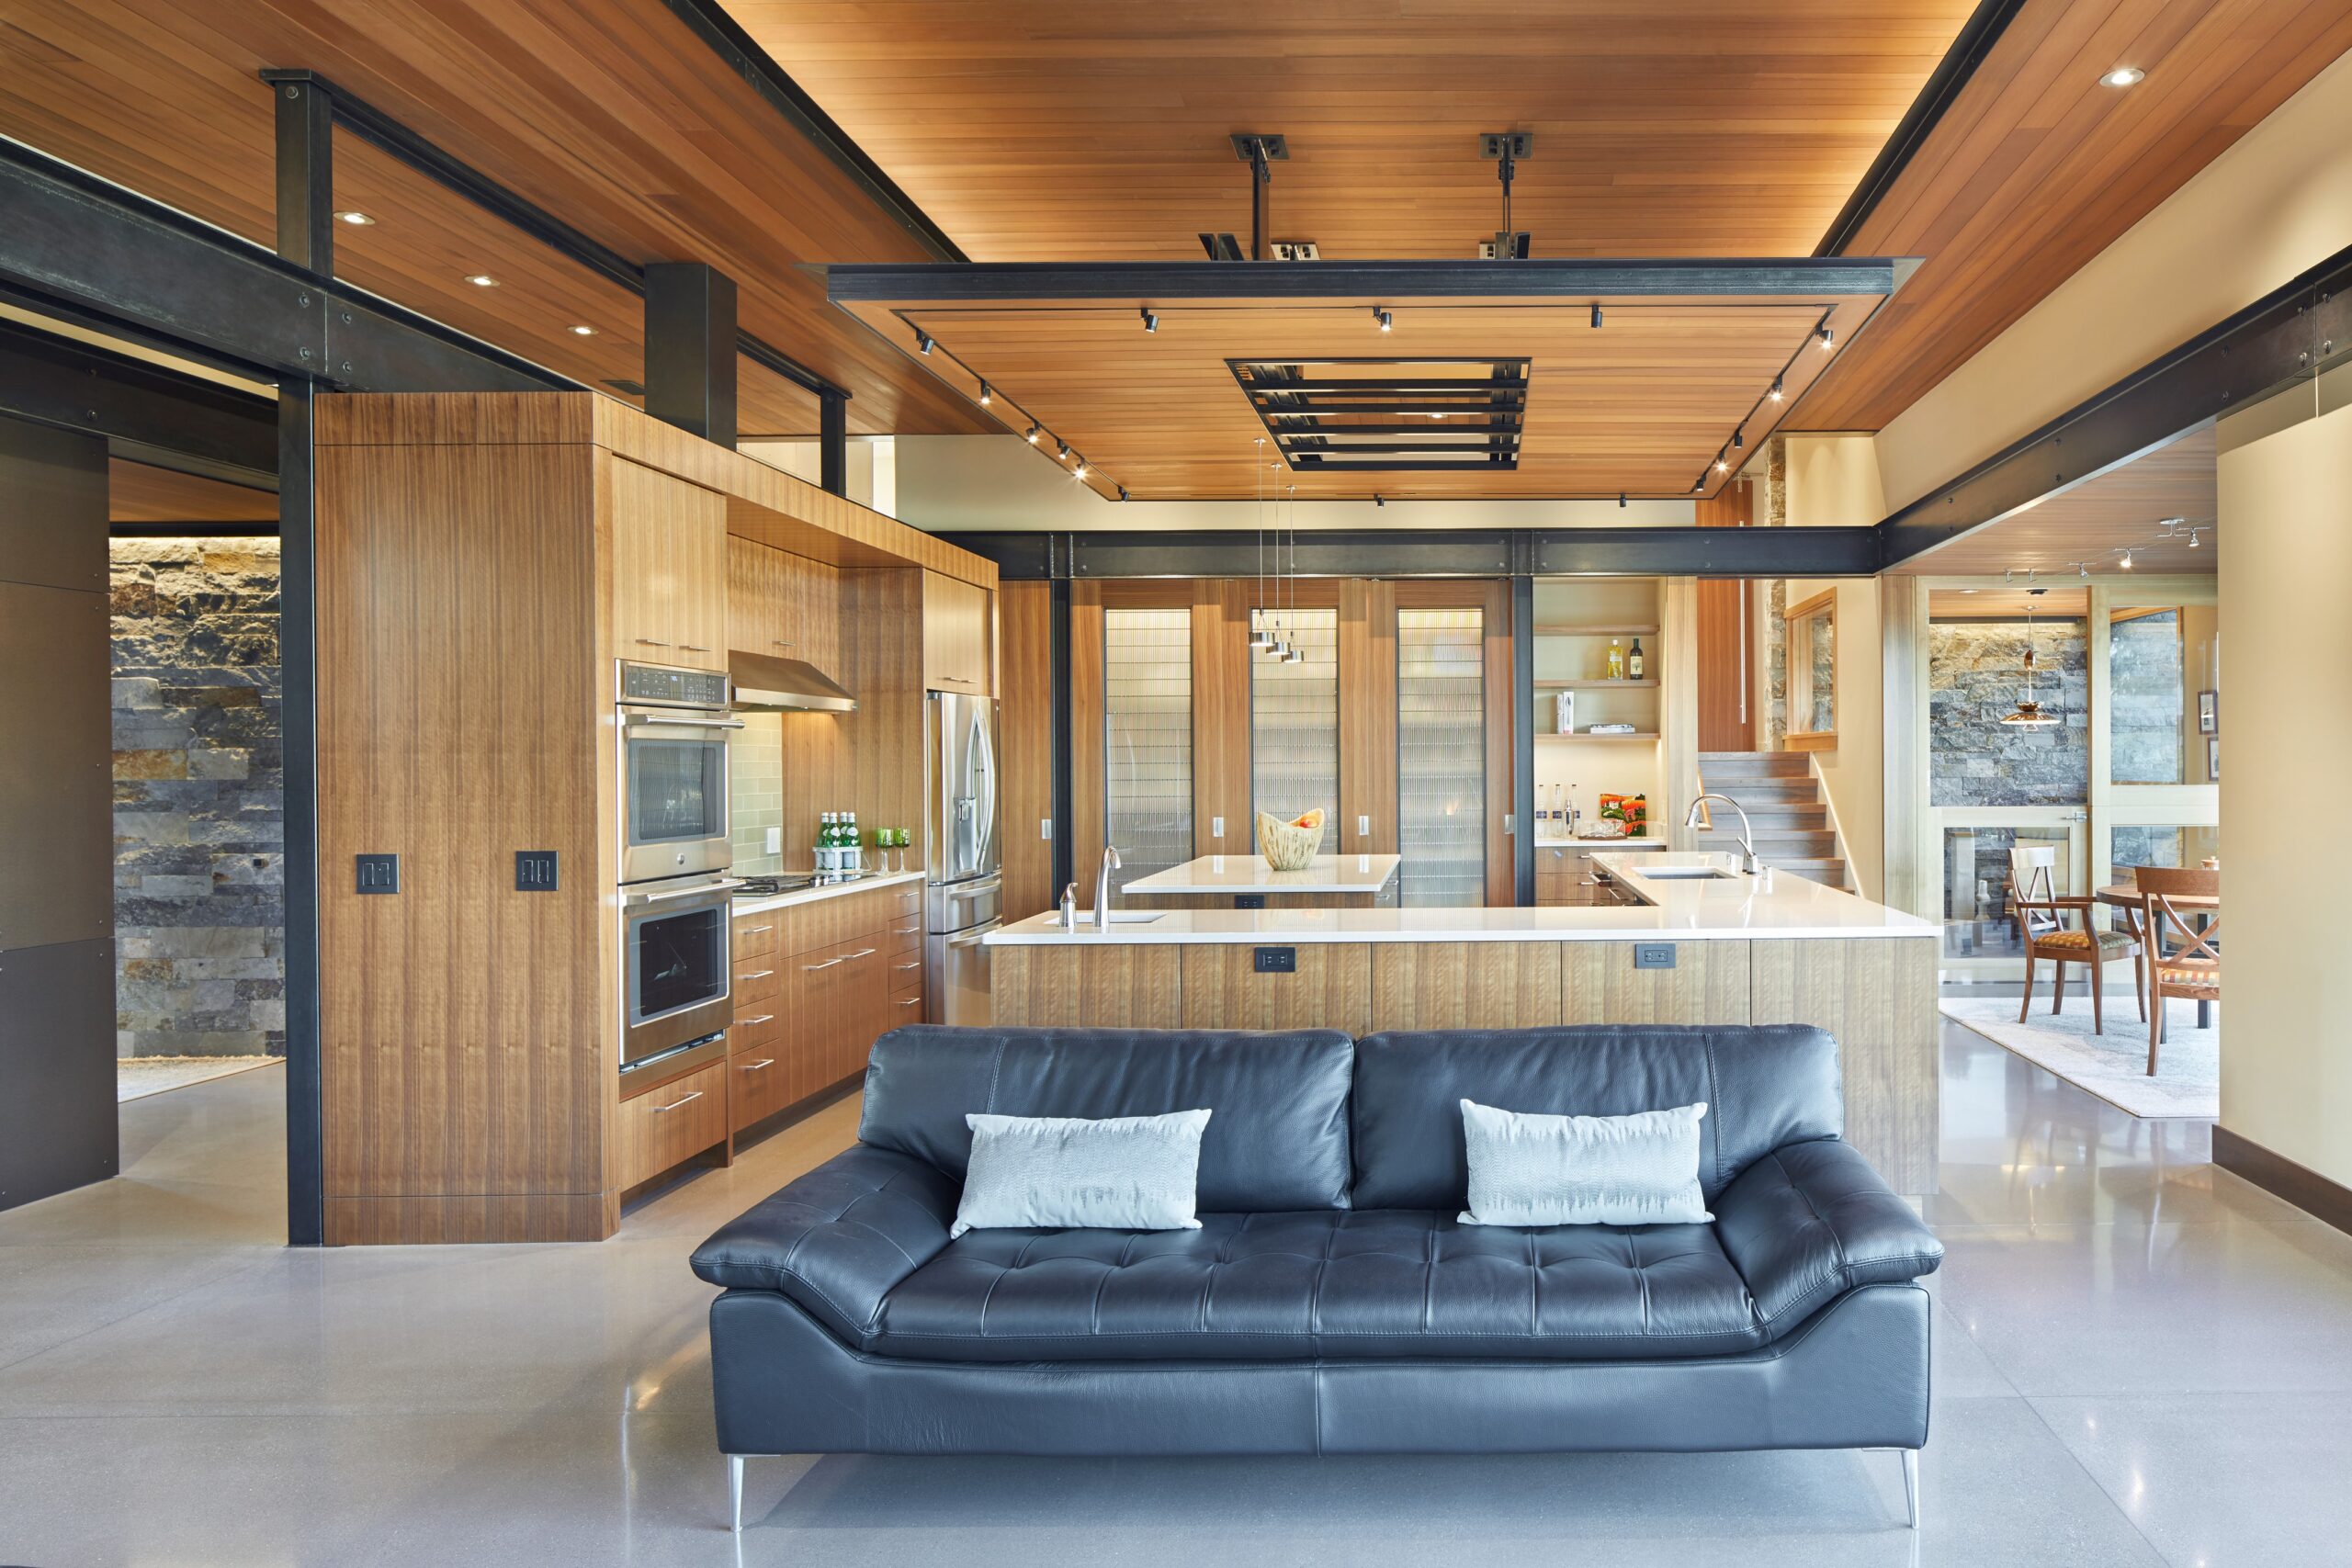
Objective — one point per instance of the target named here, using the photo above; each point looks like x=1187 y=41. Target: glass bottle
x=1616 y=659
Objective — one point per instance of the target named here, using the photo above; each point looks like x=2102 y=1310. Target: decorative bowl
x=1290 y=846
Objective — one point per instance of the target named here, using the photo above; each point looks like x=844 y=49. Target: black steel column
x=690 y=349
x=1064 y=787
x=1522 y=736
x=305 y=237
x=833 y=442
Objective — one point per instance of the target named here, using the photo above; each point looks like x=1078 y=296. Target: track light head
x=1620 y=501
x=1721 y=467
x=1739 y=439
x=1382 y=319
x=1150 y=320
x=1596 y=315
x=1779 y=390
x=1061 y=450
x=1379 y=501
x=1122 y=493
x=2192 y=538
x=2127 y=560
x=1699 y=484
x=1031 y=437
x=1080 y=471
x=985 y=396
x=1827 y=338
x=924 y=341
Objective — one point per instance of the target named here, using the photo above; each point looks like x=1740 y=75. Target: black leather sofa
x=1329 y=1303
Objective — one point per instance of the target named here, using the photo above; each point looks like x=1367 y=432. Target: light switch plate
x=775 y=841
x=1364 y=826
x=1216 y=827
x=1045 y=827
x=1653 y=956
x=378 y=873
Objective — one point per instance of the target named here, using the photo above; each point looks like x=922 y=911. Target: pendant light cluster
x=1269 y=630
x=2029 y=714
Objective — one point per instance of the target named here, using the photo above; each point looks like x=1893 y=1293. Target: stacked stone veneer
x=199 y=796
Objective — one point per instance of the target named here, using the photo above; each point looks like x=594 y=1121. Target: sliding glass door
x=1441 y=756
x=1147 y=738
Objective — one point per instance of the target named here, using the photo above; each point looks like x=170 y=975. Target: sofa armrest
x=840 y=1238
x=1811 y=1221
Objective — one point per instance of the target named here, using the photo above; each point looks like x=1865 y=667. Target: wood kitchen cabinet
x=955 y=641
x=1564 y=875
x=670 y=602
x=781 y=604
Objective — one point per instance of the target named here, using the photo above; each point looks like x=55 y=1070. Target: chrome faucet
x=1069 y=907
x=1102 y=888
x=1747 y=861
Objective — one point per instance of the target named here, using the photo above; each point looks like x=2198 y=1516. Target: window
x=1441 y=756
x=1813 y=673
x=1147 y=738
x=1294 y=723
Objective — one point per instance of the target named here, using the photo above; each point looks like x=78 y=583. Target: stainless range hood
x=767 y=684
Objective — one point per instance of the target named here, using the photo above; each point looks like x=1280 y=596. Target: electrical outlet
x=1275 y=960
x=1364 y=826
x=1045 y=827
x=1653 y=956
x=1248 y=900
x=774 y=842
x=535 y=870
x=378 y=873
x=1216 y=827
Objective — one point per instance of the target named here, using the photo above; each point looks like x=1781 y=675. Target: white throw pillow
x=1528 y=1169
x=1127 y=1173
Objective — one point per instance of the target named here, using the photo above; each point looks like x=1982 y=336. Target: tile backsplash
x=755 y=798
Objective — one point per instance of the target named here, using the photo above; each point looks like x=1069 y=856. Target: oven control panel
x=669 y=687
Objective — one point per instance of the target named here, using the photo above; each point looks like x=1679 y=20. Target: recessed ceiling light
x=353 y=217
x=2123 y=76
x=482 y=280
x=584 y=332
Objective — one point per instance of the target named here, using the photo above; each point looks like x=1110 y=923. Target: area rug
x=2113 y=1065
x=135 y=1078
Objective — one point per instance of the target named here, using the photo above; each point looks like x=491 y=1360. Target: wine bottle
x=1634 y=661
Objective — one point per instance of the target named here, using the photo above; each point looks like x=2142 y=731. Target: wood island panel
x=1708 y=984
x=1101 y=988
x=1466 y=984
x=1877 y=997
x=1025 y=735
x=1331 y=989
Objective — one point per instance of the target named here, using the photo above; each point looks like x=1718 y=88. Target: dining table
x=2126 y=896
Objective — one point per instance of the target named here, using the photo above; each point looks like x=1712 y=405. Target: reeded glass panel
x=1294 y=723
x=1441 y=757
x=1980 y=915
x=1147 y=738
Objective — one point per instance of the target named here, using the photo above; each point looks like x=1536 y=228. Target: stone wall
x=1975 y=673
x=200 y=798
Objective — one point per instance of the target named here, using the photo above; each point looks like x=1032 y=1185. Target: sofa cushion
x=1278 y=1138
x=1325 y=1283
x=1764 y=1086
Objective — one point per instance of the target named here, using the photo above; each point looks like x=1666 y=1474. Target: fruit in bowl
x=1290 y=846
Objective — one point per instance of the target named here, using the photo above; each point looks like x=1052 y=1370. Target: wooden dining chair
x=2194 y=969
x=2041 y=916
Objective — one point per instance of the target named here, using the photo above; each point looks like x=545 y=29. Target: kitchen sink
x=1684 y=874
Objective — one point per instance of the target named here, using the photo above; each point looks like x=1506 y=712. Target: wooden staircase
x=1786 y=810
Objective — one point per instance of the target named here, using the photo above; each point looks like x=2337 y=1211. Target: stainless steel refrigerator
x=964 y=898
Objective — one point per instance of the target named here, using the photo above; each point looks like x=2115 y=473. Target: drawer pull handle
x=917 y=964
x=754 y=931
x=906 y=930
x=747 y=1022
x=755 y=973
x=911 y=1001
x=676 y=1103
x=755 y=1067
x=649 y=642
x=693 y=648
x=812 y=968
x=862 y=952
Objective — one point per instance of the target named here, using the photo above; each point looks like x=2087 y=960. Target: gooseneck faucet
x=1102 y=888
x=1747 y=861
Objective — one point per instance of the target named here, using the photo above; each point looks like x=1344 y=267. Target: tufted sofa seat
x=1331 y=1301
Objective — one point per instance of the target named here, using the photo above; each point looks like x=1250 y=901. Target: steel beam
x=833 y=445
x=690 y=349
x=143 y=410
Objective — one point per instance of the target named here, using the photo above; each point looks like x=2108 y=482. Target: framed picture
x=2213 y=758
x=2209 y=713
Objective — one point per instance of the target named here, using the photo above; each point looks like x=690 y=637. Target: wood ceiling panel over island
x=1070 y=129
x=611 y=115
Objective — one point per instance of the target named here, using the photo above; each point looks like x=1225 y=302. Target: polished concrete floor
x=2139 y=1360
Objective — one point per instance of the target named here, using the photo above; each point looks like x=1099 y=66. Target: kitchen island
x=1704 y=944
x=1247 y=882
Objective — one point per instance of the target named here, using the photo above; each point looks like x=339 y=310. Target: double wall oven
x=676 y=973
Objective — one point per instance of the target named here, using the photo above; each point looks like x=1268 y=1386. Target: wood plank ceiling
x=611 y=114
x=2091 y=523
x=1075 y=130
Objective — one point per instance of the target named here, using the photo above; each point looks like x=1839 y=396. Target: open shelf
x=1596 y=631
x=1603 y=685
x=1581 y=735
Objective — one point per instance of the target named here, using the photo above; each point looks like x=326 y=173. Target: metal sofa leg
x=1911 y=1482
x=735 y=1492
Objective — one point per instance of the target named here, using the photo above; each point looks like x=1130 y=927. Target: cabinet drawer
x=757 y=981
x=667 y=1124
x=905 y=969
x=758 y=936
x=763 y=1085
x=757 y=1026
x=829 y=922
x=903 y=935
x=906 y=1006
x=907 y=900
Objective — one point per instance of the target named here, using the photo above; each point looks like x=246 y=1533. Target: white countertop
x=829 y=890
x=1250 y=874
x=1611 y=845
x=1736 y=908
